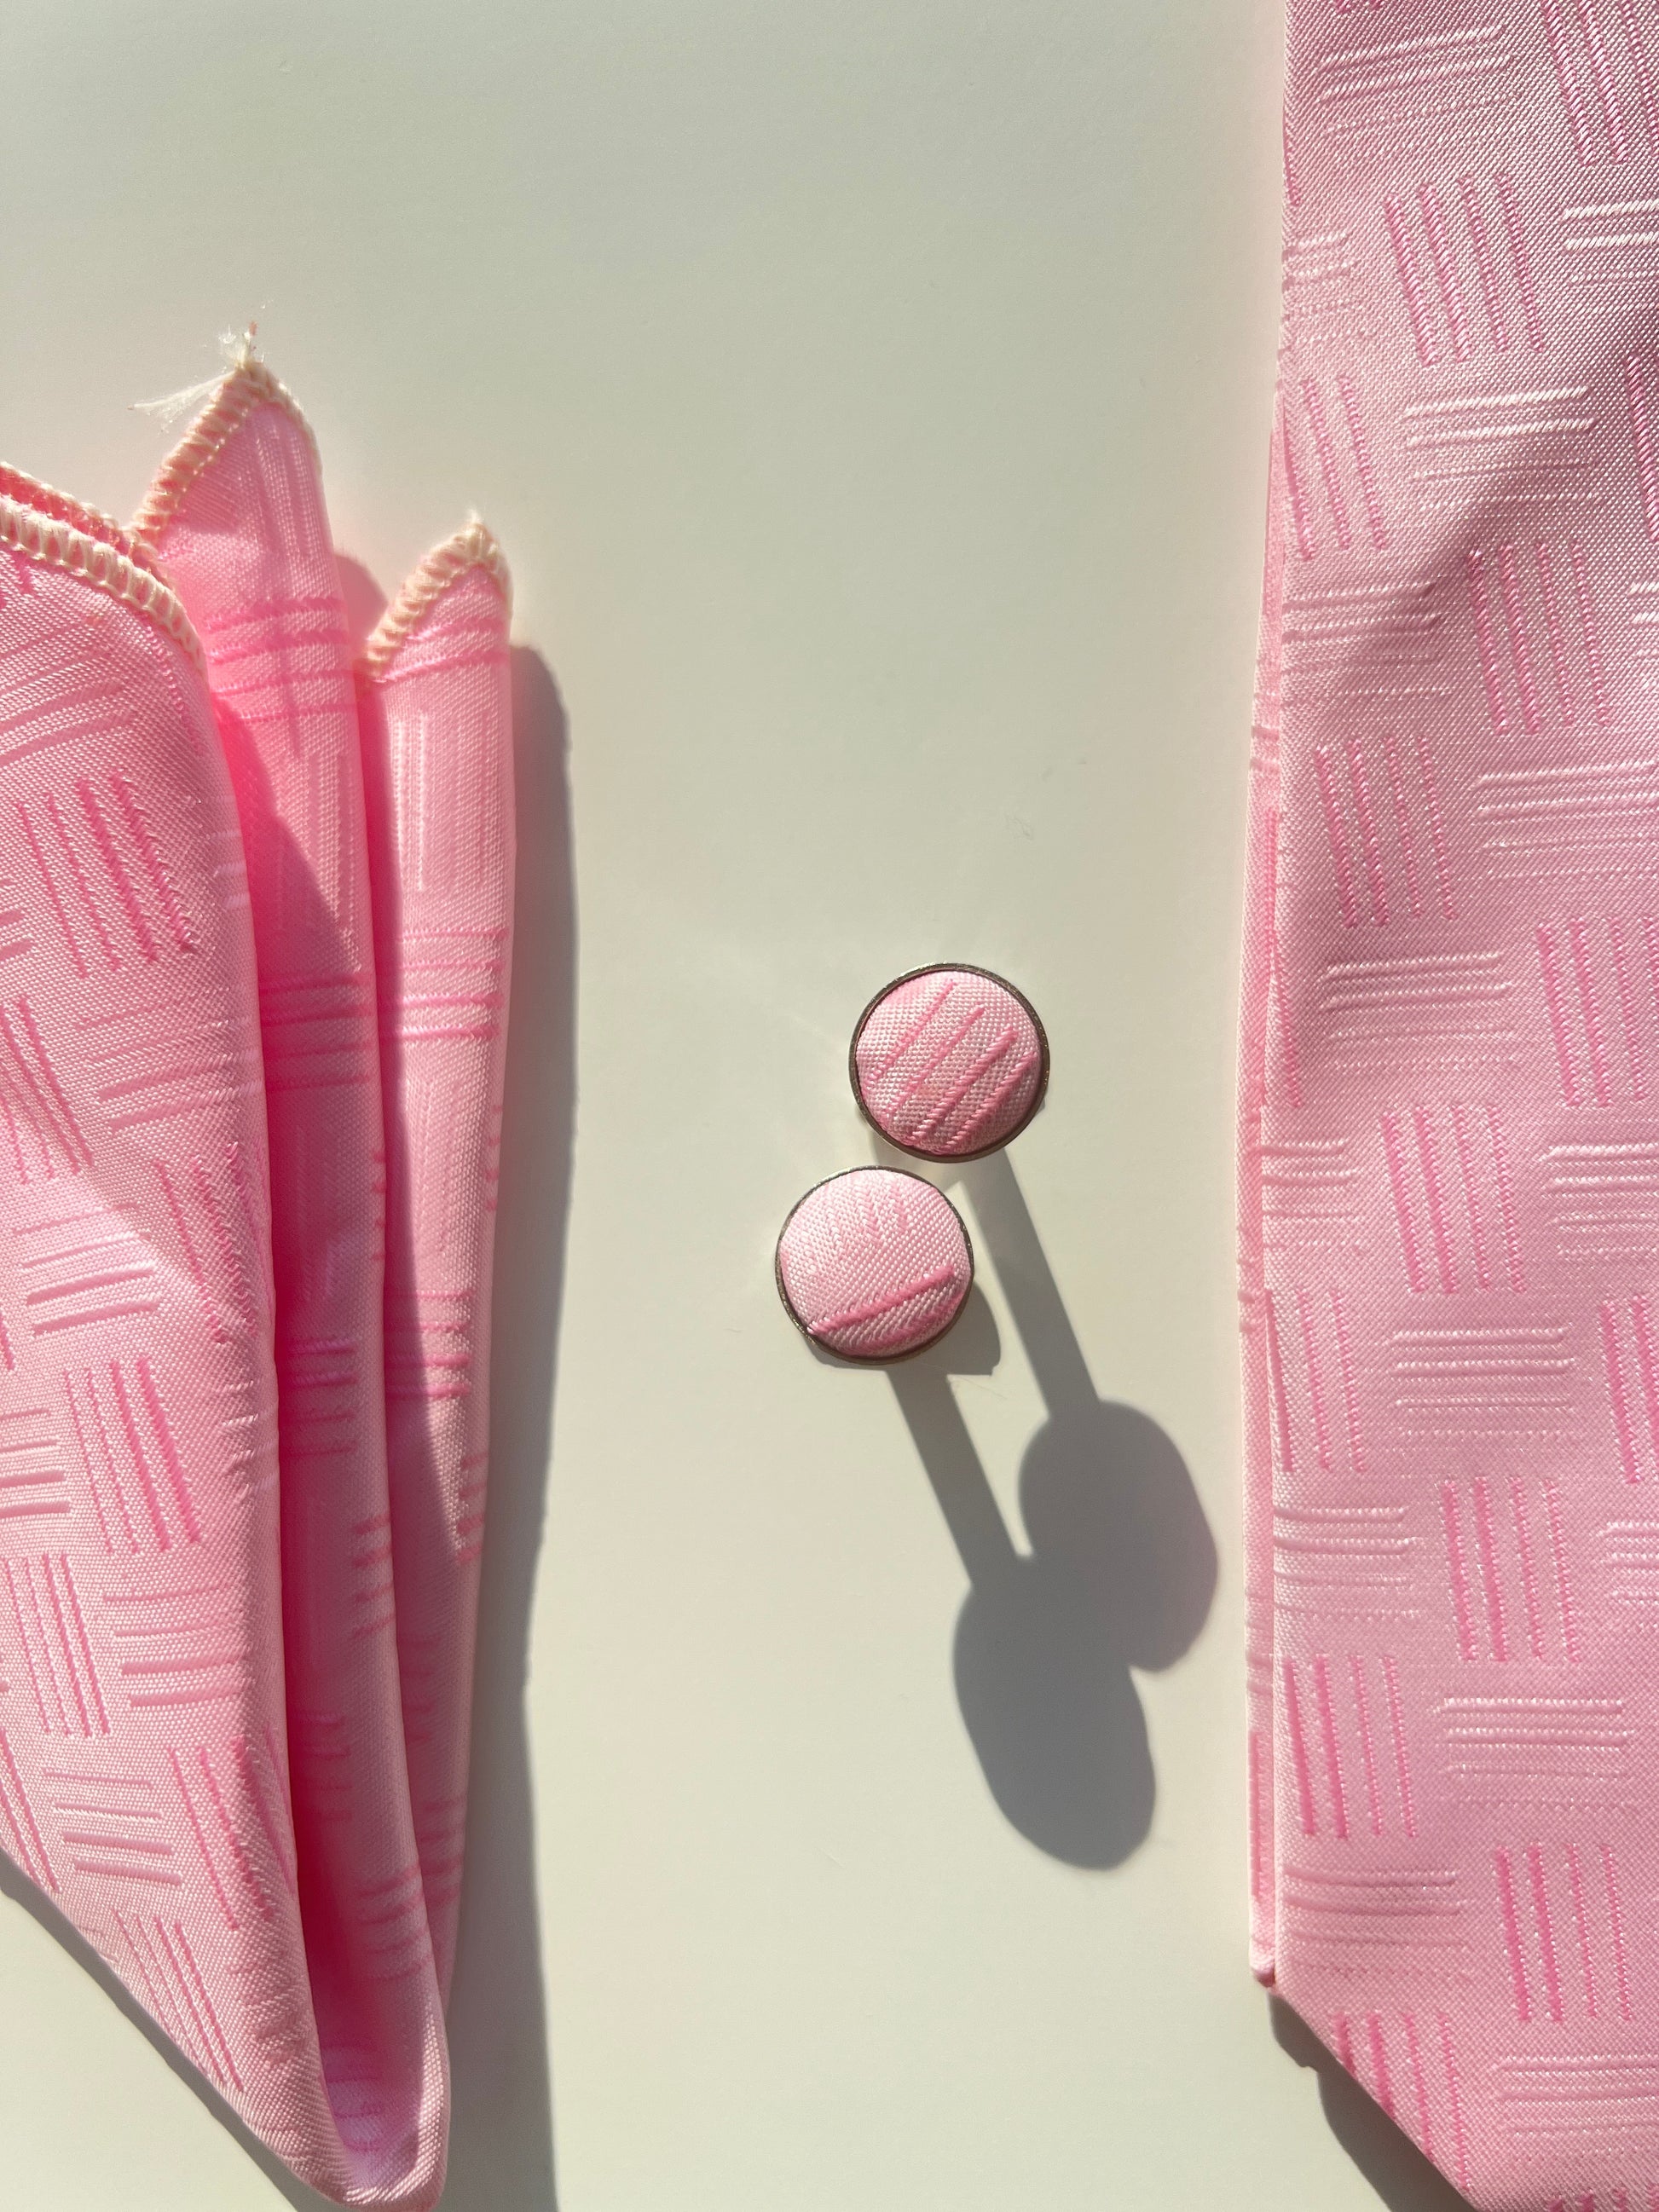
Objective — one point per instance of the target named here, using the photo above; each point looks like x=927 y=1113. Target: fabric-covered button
x=874 y=1264
x=949 y=1063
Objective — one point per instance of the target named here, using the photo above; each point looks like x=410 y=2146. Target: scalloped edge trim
x=247 y=384
x=57 y=544
x=46 y=498
x=474 y=546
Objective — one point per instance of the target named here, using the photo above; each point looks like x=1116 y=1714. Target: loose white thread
x=246 y=385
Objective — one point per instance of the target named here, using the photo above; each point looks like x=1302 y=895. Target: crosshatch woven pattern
x=1450 y=1147
x=239 y=526
x=437 y=723
x=948 y=1063
x=206 y=1734
x=874 y=1263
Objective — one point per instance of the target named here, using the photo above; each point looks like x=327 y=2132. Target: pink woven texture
x=246 y=542
x=436 y=728
x=1449 y=1147
x=874 y=1264
x=948 y=1063
x=203 y=1755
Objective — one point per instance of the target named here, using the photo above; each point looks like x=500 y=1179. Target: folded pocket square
x=437 y=724
x=228 y=1641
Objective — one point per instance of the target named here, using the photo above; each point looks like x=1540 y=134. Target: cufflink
x=874 y=1265
x=949 y=1063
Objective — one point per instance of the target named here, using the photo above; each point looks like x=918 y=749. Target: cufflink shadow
x=1120 y=1576
x=1403 y=2178
x=501 y=2145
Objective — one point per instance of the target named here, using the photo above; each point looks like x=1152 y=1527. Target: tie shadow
x=1404 y=2179
x=501 y=2154
x=1120 y=1575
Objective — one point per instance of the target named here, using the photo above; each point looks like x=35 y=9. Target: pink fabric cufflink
x=874 y=1265
x=949 y=1063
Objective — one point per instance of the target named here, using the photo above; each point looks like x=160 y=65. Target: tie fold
x=1449 y=1059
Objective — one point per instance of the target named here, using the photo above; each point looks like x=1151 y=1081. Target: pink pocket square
x=437 y=724
x=250 y=1095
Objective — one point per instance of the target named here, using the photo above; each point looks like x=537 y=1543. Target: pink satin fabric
x=437 y=724
x=1449 y=1150
x=203 y=1755
x=949 y=1064
x=237 y=524
x=874 y=1264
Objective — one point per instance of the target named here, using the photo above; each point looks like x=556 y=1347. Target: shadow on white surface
x=500 y=2147
x=1403 y=2178
x=1120 y=1575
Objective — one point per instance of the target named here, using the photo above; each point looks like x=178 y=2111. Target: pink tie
x=1449 y=1150
x=207 y=1759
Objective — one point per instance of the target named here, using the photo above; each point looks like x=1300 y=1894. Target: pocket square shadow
x=502 y=2144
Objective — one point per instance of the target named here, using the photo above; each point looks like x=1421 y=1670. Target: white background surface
x=872 y=397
